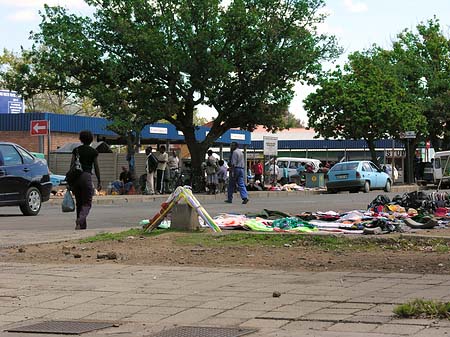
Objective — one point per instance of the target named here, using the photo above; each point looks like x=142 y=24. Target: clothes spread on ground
x=381 y=216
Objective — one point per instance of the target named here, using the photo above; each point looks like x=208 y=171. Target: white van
x=291 y=164
x=441 y=168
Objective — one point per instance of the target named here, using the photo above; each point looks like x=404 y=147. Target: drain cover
x=62 y=327
x=192 y=331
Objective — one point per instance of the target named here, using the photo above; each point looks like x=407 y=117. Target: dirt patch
x=173 y=248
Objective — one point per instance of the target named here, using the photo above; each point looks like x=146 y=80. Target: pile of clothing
x=266 y=221
x=292 y=187
x=405 y=213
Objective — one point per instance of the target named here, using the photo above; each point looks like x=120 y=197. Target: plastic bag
x=75 y=170
x=68 y=204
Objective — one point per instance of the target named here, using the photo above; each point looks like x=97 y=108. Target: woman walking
x=82 y=187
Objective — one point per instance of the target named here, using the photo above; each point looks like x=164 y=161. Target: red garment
x=258 y=168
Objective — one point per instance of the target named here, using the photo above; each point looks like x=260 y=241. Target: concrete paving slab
x=264 y=323
x=400 y=329
x=353 y=327
x=151 y=307
x=433 y=332
x=307 y=325
x=191 y=316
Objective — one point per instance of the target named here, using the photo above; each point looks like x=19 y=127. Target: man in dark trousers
x=237 y=172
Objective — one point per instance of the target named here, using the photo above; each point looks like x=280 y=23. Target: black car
x=24 y=179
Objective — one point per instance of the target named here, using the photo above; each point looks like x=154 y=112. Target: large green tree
x=19 y=73
x=163 y=58
x=422 y=58
x=366 y=100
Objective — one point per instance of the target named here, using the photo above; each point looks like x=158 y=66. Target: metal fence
x=110 y=165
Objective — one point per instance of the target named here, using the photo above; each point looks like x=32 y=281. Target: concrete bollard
x=184 y=218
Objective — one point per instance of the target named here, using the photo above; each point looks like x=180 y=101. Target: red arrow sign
x=38 y=128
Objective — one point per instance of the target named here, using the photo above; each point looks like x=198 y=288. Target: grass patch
x=423 y=309
x=330 y=243
x=122 y=235
x=321 y=242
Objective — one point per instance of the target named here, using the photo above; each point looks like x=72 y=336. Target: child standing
x=222 y=175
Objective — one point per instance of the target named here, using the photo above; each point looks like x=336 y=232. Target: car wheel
x=366 y=188
x=33 y=202
x=387 y=187
x=332 y=191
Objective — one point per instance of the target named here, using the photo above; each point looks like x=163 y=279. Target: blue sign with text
x=10 y=103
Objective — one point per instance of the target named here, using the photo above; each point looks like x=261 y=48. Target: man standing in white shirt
x=162 y=158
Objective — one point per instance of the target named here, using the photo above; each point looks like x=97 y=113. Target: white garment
x=150 y=184
x=173 y=162
x=162 y=160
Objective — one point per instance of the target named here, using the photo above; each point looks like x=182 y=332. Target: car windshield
x=344 y=167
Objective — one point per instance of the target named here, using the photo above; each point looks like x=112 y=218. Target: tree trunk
x=409 y=169
x=198 y=152
x=131 y=150
x=373 y=153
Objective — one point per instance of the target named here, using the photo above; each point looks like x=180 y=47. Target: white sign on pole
x=408 y=135
x=270 y=145
x=397 y=154
x=159 y=130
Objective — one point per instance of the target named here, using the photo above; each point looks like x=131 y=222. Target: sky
x=356 y=23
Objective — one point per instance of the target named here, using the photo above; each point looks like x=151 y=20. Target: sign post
x=271 y=149
x=409 y=135
x=11 y=103
x=41 y=128
x=270 y=145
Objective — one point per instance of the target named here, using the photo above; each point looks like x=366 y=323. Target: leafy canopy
x=423 y=62
x=366 y=100
x=146 y=60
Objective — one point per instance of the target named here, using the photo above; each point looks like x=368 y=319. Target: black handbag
x=75 y=170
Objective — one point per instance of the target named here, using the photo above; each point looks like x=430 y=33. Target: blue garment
x=301 y=169
x=237 y=176
x=119 y=186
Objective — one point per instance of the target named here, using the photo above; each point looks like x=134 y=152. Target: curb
x=125 y=199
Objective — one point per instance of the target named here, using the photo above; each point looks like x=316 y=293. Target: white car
x=291 y=164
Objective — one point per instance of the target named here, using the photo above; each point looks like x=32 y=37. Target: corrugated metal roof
x=326 y=144
x=58 y=123
x=98 y=126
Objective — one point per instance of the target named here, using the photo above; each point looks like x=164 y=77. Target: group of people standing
x=156 y=164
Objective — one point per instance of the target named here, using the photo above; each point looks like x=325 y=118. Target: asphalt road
x=104 y=217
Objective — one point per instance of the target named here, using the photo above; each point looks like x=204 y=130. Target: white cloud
x=23 y=16
x=356 y=6
x=325 y=28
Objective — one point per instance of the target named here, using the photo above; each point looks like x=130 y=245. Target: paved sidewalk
x=148 y=299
